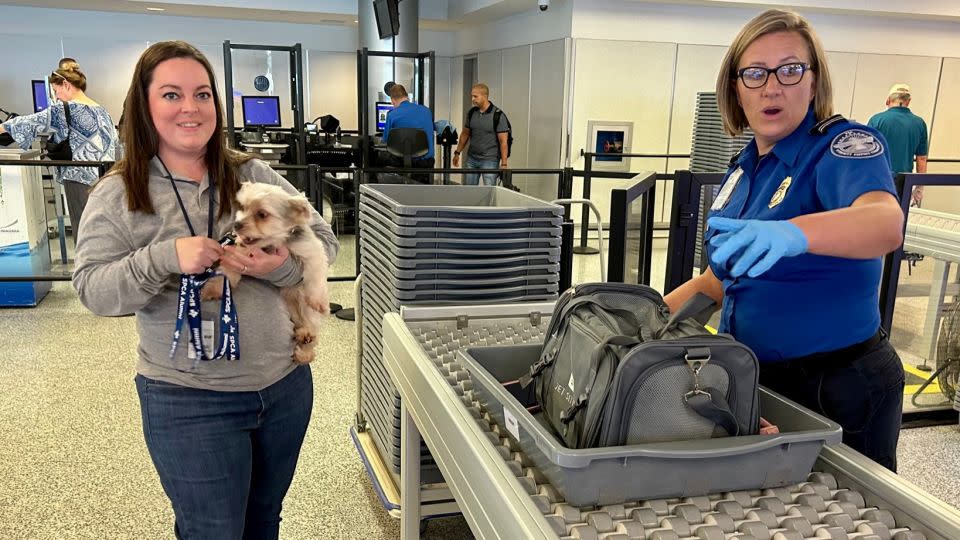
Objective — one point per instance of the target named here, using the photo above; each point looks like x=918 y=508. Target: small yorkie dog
x=268 y=217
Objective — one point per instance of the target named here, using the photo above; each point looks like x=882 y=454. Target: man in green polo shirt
x=906 y=134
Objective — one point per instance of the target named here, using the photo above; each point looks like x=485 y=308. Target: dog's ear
x=298 y=210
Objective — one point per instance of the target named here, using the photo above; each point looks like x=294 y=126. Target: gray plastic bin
x=443 y=261
x=460 y=295
x=461 y=242
x=467 y=275
x=649 y=471
x=458 y=201
x=475 y=282
x=463 y=251
x=479 y=221
x=524 y=230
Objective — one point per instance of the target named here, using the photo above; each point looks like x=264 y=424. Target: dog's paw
x=212 y=290
x=320 y=304
x=303 y=355
x=304 y=336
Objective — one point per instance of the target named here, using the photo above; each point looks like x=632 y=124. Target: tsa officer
x=797 y=233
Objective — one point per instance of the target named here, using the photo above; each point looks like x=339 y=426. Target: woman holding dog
x=796 y=235
x=224 y=434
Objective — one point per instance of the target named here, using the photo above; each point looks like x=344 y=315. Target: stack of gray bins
x=443 y=245
x=711 y=151
x=712 y=148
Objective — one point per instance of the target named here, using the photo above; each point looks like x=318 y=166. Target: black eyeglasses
x=787 y=74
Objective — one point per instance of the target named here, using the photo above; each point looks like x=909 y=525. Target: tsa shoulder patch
x=856 y=143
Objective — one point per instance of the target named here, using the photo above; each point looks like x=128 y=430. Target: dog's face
x=266 y=214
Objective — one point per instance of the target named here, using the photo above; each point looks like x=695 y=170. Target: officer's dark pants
x=863 y=393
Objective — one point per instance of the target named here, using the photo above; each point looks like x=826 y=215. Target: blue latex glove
x=760 y=244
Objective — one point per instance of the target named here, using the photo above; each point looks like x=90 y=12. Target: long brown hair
x=141 y=142
x=769 y=22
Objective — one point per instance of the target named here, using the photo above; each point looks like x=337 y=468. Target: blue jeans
x=864 y=396
x=226 y=459
x=489 y=179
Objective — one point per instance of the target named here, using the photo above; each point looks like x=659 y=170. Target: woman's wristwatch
x=456 y=152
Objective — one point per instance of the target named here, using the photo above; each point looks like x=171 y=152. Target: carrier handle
x=709 y=403
x=700 y=307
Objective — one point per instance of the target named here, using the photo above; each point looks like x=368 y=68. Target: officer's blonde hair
x=770 y=22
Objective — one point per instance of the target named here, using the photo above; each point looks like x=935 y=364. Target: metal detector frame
x=296 y=91
x=363 y=79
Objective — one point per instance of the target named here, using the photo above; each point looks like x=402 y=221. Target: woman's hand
x=197 y=253
x=253 y=261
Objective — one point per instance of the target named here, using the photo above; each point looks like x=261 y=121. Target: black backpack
x=497 y=113
x=617 y=369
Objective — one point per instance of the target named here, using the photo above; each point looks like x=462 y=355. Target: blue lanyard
x=188 y=306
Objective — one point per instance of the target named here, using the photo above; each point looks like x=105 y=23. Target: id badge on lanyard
x=189 y=304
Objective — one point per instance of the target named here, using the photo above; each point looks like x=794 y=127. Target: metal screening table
x=937 y=235
x=502 y=496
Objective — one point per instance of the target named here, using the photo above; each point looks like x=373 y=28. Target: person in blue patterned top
x=92 y=134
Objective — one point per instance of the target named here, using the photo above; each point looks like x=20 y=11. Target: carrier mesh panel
x=659 y=413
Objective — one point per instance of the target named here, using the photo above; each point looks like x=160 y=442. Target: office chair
x=407 y=144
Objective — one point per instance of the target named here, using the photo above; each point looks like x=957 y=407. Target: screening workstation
x=285 y=139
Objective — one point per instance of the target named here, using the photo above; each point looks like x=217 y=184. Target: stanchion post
x=566 y=255
x=583 y=248
x=349 y=314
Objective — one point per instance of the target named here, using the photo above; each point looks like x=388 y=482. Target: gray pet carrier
x=616 y=369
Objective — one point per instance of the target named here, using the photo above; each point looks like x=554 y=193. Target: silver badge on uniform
x=781 y=192
x=724 y=196
x=856 y=143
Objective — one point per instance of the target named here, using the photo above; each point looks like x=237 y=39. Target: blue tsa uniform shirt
x=809 y=303
x=411 y=115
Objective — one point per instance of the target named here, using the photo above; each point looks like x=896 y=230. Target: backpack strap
x=615 y=341
x=697 y=307
x=497 y=115
x=470 y=116
x=66 y=113
x=547 y=357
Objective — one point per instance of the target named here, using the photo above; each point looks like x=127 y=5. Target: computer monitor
x=261 y=111
x=40 y=99
x=383 y=107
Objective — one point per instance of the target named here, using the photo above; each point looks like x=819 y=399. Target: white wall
x=717 y=25
x=628 y=81
x=529 y=27
x=528 y=83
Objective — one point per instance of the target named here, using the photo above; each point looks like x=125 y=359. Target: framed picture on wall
x=609 y=138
